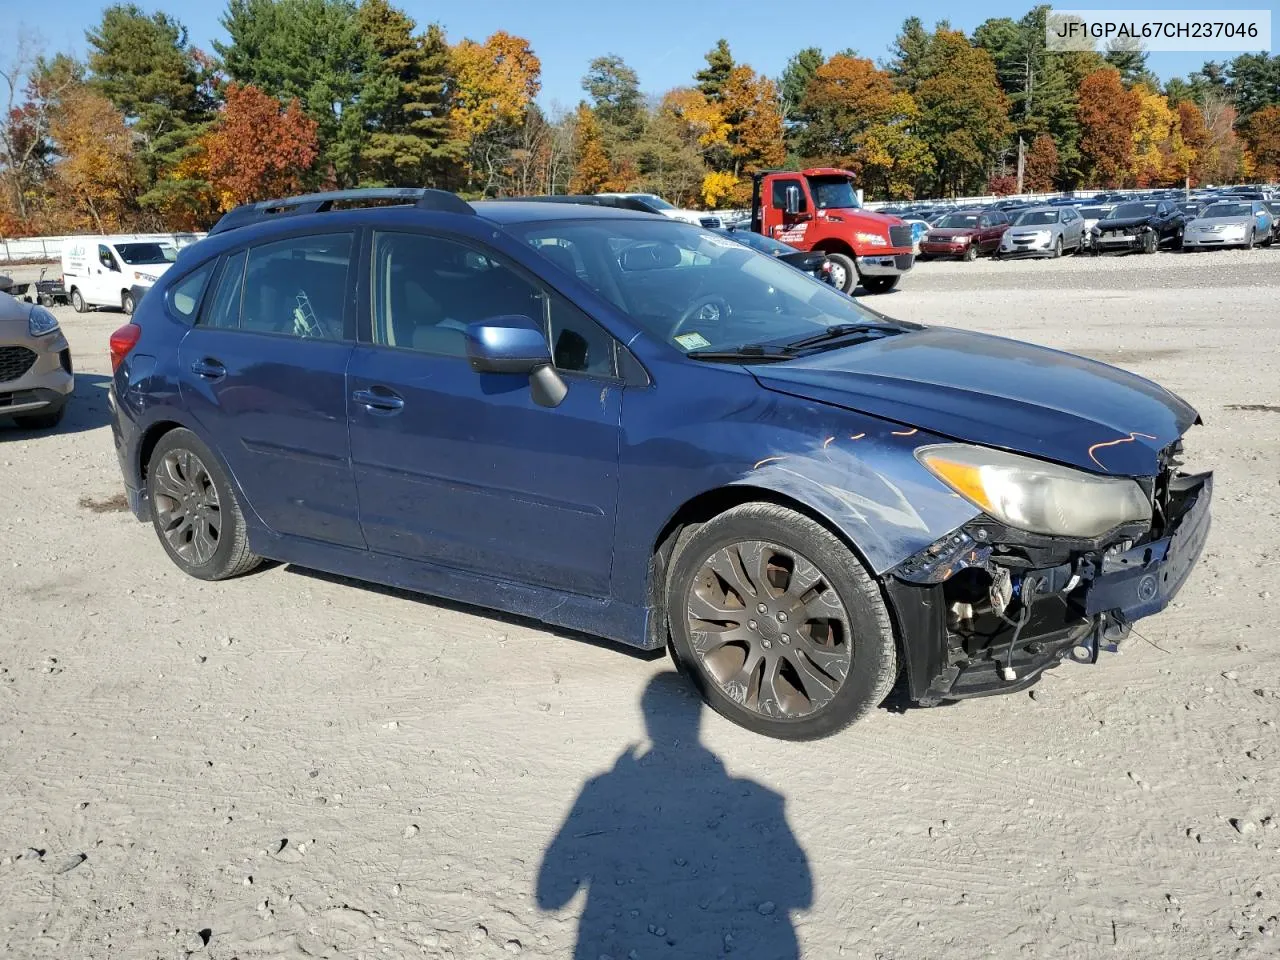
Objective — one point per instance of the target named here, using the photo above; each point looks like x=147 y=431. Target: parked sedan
x=1230 y=224
x=35 y=365
x=965 y=234
x=1145 y=226
x=814 y=263
x=1043 y=232
x=1091 y=215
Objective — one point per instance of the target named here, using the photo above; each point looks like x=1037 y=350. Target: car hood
x=13 y=318
x=942 y=233
x=1242 y=221
x=1128 y=223
x=999 y=393
x=1022 y=231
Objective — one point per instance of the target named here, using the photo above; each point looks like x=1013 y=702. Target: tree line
x=150 y=132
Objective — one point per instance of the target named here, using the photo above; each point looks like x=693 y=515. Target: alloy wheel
x=769 y=629
x=187 y=506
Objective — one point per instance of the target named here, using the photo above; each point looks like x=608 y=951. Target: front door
x=264 y=372
x=787 y=227
x=463 y=468
x=105 y=280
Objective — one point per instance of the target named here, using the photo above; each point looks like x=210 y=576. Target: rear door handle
x=209 y=368
x=379 y=400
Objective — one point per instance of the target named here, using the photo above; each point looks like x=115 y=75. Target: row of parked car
x=1144 y=223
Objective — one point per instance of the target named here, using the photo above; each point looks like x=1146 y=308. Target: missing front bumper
x=1087 y=604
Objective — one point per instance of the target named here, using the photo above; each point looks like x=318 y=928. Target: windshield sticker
x=693 y=341
x=719 y=241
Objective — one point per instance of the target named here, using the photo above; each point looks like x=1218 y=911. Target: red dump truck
x=818 y=209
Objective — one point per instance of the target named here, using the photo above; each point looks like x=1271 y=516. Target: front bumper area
x=958 y=645
x=885 y=265
x=46 y=384
x=1025 y=246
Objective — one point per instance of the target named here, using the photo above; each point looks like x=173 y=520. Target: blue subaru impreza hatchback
x=639 y=429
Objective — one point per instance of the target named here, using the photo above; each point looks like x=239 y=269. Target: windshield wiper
x=747 y=353
x=837 y=332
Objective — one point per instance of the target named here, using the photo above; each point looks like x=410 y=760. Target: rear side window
x=224 y=309
x=184 y=296
x=297 y=287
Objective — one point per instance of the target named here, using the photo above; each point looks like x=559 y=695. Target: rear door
x=264 y=372
x=463 y=468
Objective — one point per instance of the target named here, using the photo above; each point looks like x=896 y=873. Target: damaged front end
x=988 y=608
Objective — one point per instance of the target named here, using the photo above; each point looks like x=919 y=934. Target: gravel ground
x=293 y=766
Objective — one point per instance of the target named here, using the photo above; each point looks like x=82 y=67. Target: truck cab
x=818 y=209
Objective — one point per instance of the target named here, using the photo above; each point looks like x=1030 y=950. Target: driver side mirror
x=792 y=201
x=515 y=344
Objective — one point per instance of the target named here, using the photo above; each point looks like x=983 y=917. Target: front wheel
x=879 y=284
x=1150 y=242
x=844 y=274
x=194 y=509
x=1057 y=249
x=77 y=301
x=777 y=623
x=970 y=253
x=1252 y=240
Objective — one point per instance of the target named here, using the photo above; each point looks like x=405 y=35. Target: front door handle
x=379 y=400
x=209 y=368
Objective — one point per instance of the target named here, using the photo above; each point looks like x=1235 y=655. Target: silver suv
x=35 y=365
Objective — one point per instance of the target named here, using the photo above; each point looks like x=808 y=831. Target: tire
x=970 y=253
x=41 y=421
x=182 y=462
x=46 y=301
x=859 y=644
x=879 y=284
x=1150 y=242
x=1057 y=249
x=77 y=301
x=126 y=303
x=843 y=262
x=1252 y=240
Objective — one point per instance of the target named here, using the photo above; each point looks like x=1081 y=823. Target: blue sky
x=664 y=40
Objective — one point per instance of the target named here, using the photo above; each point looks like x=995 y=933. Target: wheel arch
x=834 y=245
x=696 y=511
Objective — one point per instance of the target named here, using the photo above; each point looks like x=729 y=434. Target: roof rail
x=423 y=198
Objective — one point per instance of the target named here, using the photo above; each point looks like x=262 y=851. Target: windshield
x=755 y=241
x=1128 y=210
x=1035 y=218
x=655 y=201
x=1227 y=210
x=691 y=288
x=138 y=254
x=833 y=192
x=957 y=221
x=1092 y=213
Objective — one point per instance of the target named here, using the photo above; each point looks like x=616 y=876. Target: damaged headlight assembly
x=1035 y=495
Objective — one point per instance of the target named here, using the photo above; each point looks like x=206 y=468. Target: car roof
x=531 y=211
x=1041 y=209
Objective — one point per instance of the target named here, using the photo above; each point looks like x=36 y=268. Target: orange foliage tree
x=1195 y=138
x=98 y=172
x=751 y=108
x=259 y=148
x=590 y=162
x=1107 y=113
x=1262 y=133
x=1041 y=165
x=493 y=83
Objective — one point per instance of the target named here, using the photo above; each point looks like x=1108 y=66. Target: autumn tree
x=317 y=52
x=1195 y=139
x=590 y=162
x=259 y=148
x=712 y=78
x=1222 y=157
x=1042 y=165
x=32 y=90
x=1108 y=113
x=98 y=171
x=964 y=116
x=860 y=120
x=750 y=104
x=410 y=140
x=1262 y=134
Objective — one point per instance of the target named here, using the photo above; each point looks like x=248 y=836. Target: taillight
x=122 y=341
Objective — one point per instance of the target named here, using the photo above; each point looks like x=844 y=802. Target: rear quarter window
x=185 y=295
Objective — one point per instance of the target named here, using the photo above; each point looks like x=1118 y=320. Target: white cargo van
x=99 y=271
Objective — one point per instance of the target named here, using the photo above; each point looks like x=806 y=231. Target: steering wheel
x=705 y=310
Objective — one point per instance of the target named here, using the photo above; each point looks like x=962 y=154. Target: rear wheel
x=778 y=625
x=879 y=284
x=194 y=509
x=843 y=271
x=77 y=301
x=126 y=303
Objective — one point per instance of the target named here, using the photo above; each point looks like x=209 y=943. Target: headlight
x=874 y=239
x=40 y=321
x=1034 y=495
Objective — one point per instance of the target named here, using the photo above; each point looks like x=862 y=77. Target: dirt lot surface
x=288 y=765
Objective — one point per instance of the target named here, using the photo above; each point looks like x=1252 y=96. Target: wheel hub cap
x=769 y=629
x=187 y=507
